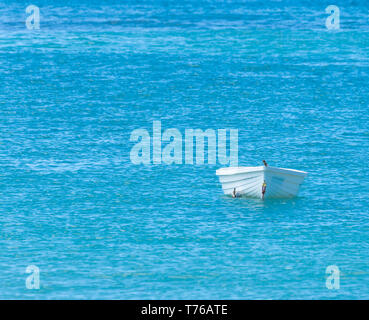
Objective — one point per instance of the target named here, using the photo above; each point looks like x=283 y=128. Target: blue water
x=99 y=227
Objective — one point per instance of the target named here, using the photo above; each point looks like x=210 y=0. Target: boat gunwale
x=228 y=171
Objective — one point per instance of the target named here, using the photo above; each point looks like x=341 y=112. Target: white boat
x=248 y=181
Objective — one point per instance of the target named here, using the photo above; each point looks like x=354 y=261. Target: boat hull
x=248 y=181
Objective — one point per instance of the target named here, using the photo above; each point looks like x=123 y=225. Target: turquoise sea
x=99 y=227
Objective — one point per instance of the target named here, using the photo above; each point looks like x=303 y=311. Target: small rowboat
x=248 y=181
